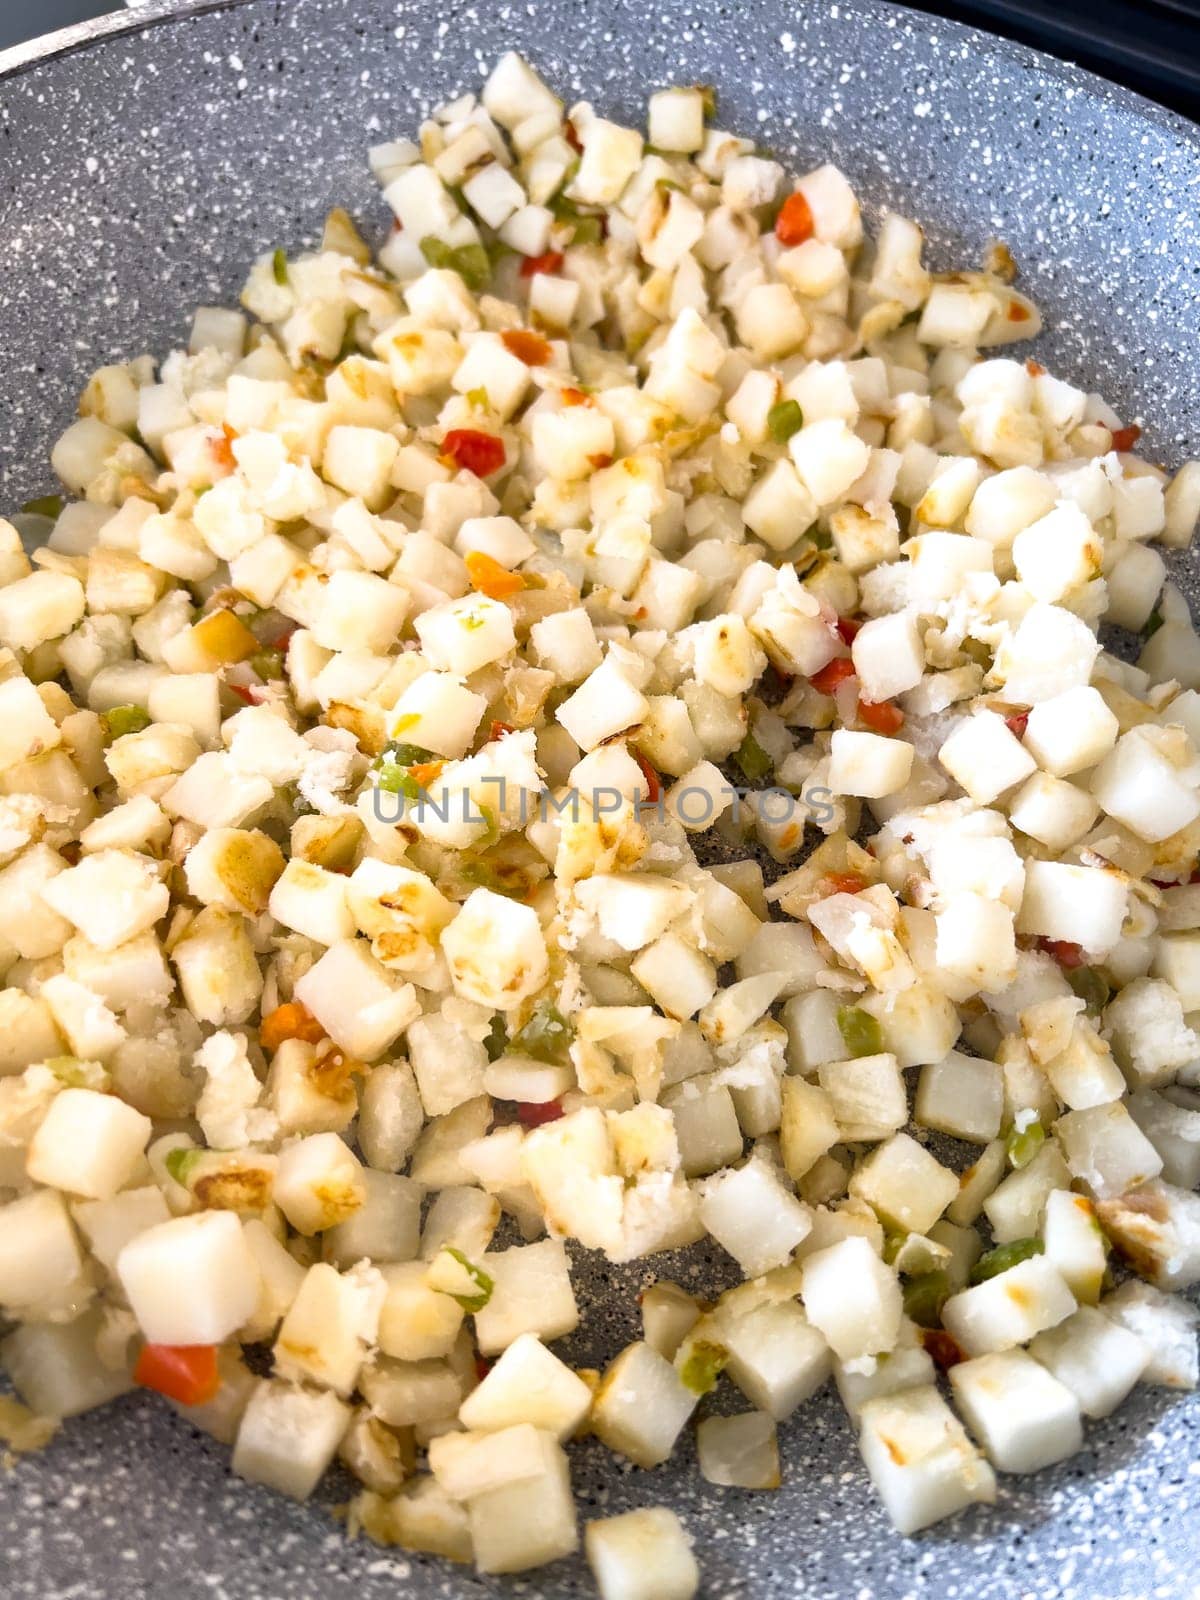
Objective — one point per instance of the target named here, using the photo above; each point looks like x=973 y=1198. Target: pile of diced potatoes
x=629 y=477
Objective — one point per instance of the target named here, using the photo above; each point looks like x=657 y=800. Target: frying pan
x=144 y=161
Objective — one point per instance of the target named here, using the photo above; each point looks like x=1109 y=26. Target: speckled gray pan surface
x=140 y=172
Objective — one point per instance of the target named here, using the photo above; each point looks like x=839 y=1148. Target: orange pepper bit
x=490 y=578
x=528 y=347
x=289 y=1021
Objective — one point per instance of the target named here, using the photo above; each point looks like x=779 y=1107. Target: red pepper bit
x=1035 y=369
x=480 y=453
x=848 y=629
x=550 y=262
x=830 y=676
x=944 y=1351
x=499 y=729
x=1064 y=952
x=1125 y=438
x=881 y=715
x=531 y=1115
x=482 y=1367
x=1017 y=723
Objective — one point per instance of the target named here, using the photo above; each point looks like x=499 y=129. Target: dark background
x=1149 y=45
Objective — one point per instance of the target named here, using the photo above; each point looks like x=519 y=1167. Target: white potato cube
x=906 y=1186
x=605 y=703
x=532 y=1294
x=417 y=1322
x=1075 y=1243
x=527 y=1522
x=318 y=1183
x=642 y=1406
x=329 y=1327
x=829 y=458
x=463 y=635
x=750 y=1214
x=888 y=655
x=1097 y=1359
x=1021 y=1414
x=643 y=1554
x=1052 y=811
x=985 y=757
x=1149 y=782
x=1166 y=1323
x=361 y=1005
x=867 y=764
x=776 y=1357
x=496 y=951
x=193 y=1280
x=678 y=978
x=1081 y=905
x=852 y=1298
x=88 y=1144
x=41 y=1262
x=1009 y=1309
x=55 y=1369
x=288 y=1437
x=920 y=1459
x=438 y=713
x=110 y=897
x=528 y=1384
x=1070 y=731
x=961 y=1095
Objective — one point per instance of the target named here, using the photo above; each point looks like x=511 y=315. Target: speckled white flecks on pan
x=138 y=177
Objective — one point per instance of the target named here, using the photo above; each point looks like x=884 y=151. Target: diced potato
x=1010 y=1308
x=55 y=1368
x=41 y=1264
x=531 y=1294
x=1021 y=1414
x=748 y=1211
x=853 y=1298
x=88 y=1144
x=192 y=1280
x=642 y=1555
x=641 y=1406
x=1097 y=1359
x=318 y=1183
x=288 y=1437
x=920 y=1459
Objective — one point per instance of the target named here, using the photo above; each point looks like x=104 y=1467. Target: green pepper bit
x=924 y=1297
x=993 y=1262
x=180 y=1163
x=1091 y=988
x=546 y=1037
x=484 y=1284
x=45 y=505
x=279 y=266
x=784 y=419
x=860 y=1032
x=702 y=1366
x=268 y=664
x=120 y=720
x=1023 y=1144
x=754 y=762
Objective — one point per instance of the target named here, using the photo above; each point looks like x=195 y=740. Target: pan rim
x=150 y=15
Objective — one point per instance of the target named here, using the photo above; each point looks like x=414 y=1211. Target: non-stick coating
x=139 y=174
